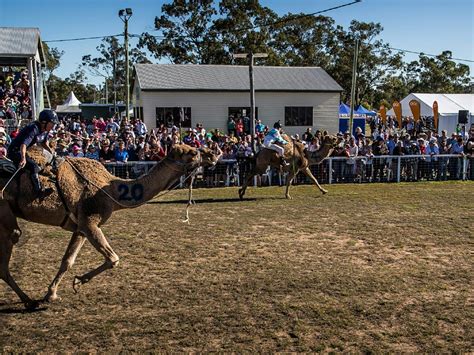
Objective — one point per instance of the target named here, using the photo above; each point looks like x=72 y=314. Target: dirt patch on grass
x=364 y=268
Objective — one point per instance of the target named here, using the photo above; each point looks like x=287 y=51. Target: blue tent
x=359 y=118
x=344 y=110
x=361 y=110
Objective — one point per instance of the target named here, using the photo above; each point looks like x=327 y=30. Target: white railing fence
x=332 y=170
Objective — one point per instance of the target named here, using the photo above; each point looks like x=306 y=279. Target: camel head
x=208 y=157
x=328 y=144
x=191 y=157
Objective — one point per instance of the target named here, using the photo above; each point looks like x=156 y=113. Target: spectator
x=106 y=154
x=92 y=152
x=76 y=152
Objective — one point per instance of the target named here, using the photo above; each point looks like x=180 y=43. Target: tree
x=52 y=59
x=377 y=63
x=103 y=64
x=438 y=75
x=186 y=27
x=209 y=32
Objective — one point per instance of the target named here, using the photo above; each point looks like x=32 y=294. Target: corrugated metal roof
x=232 y=78
x=18 y=41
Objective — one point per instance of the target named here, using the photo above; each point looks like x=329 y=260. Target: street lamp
x=251 y=56
x=125 y=15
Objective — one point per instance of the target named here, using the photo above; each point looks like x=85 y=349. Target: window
x=170 y=116
x=239 y=112
x=298 y=116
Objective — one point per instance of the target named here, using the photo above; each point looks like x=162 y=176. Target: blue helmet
x=48 y=116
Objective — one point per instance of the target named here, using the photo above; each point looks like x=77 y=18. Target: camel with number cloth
x=84 y=197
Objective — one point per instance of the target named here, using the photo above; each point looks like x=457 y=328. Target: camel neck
x=135 y=192
x=319 y=155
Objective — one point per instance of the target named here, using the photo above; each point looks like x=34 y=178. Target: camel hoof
x=31 y=305
x=77 y=283
x=324 y=192
x=241 y=194
x=288 y=197
x=15 y=236
x=51 y=298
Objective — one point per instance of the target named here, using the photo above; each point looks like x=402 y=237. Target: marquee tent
x=448 y=107
x=344 y=110
x=345 y=113
x=361 y=110
x=71 y=105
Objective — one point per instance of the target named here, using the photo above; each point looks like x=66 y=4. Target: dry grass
x=364 y=268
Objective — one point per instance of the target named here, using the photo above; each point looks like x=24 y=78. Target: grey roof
x=19 y=42
x=191 y=77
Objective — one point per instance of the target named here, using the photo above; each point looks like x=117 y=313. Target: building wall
x=211 y=108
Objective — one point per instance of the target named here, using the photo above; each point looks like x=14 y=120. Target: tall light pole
x=354 y=81
x=251 y=56
x=125 y=15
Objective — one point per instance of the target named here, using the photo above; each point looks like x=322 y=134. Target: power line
x=82 y=38
x=430 y=55
x=298 y=17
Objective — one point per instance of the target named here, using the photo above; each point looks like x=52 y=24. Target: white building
x=299 y=97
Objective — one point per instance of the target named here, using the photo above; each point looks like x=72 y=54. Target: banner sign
x=397 y=108
x=435 y=114
x=383 y=114
x=415 y=109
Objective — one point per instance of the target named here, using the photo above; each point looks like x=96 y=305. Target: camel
x=297 y=156
x=84 y=197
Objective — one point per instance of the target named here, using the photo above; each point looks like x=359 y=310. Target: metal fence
x=332 y=170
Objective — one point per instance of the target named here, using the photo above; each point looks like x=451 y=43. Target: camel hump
x=40 y=156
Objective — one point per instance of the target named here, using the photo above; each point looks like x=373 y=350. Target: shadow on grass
x=20 y=310
x=216 y=200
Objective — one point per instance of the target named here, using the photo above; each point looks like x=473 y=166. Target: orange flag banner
x=397 y=108
x=435 y=114
x=415 y=109
x=383 y=114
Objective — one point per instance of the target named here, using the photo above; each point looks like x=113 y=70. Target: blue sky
x=428 y=26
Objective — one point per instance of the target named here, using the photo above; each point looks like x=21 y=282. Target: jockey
x=274 y=136
x=27 y=137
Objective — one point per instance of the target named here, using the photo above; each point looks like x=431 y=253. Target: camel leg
x=289 y=181
x=99 y=242
x=9 y=222
x=75 y=245
x=6 y=247
x=248 y=180
x=308 y=173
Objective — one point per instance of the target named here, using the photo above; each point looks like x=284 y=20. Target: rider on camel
x=28 y=136
x=274 y=136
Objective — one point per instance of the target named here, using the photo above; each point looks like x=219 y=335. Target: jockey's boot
x=38 y=189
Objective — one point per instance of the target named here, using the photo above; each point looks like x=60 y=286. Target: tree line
x=210 y=32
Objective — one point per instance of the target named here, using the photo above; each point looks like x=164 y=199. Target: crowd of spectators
x=116 y=139
x=14 y=95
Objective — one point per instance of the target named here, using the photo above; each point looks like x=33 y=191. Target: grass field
x=381 y=267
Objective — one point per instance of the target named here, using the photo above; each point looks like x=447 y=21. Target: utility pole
x=251 y=56
x=125 y=16
x=114 y=80
x=354 y=81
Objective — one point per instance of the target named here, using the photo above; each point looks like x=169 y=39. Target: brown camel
x=297 y=156
x=84 y=197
